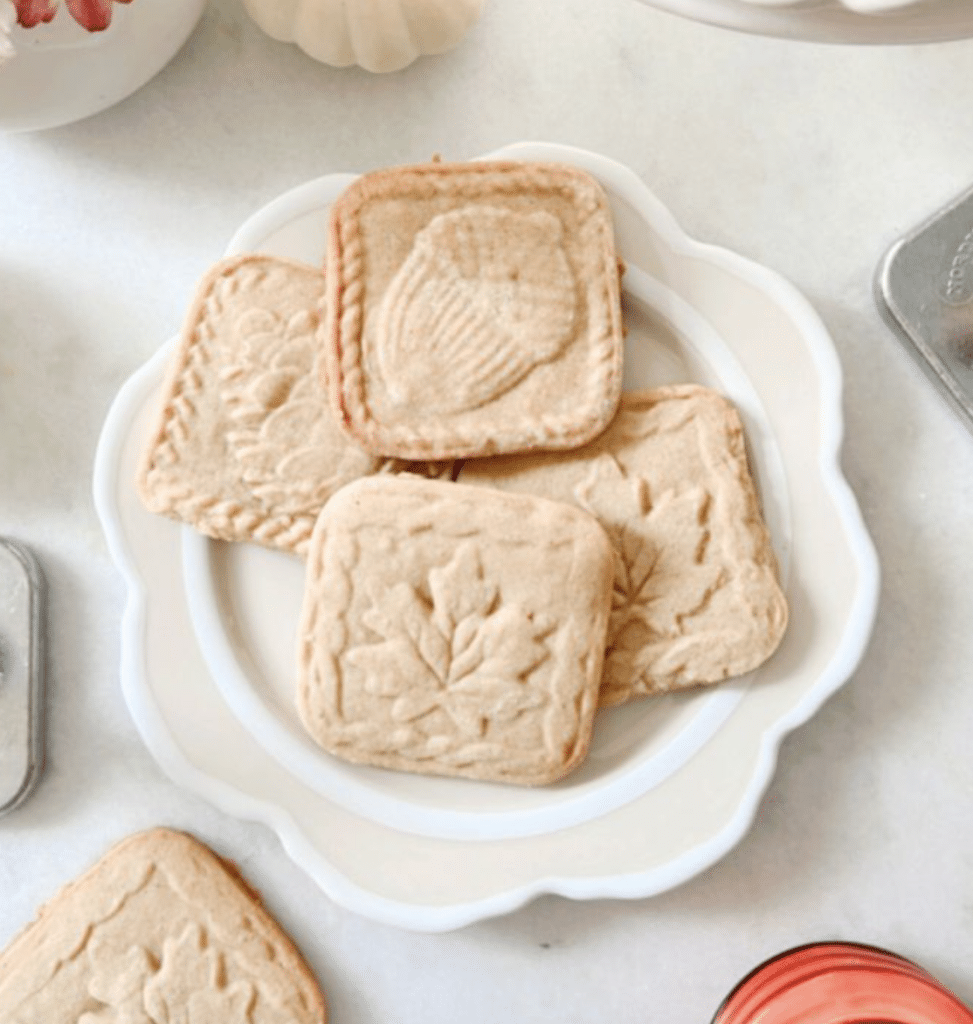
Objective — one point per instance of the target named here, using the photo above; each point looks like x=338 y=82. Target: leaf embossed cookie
x=696 y=593
x=246 y=446
x=454 y=630
x=159 y=931
x=475 y=309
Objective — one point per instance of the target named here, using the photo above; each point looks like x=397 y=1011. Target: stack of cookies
x=498 y=541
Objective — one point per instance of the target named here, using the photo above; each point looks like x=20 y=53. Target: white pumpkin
x=378 y=35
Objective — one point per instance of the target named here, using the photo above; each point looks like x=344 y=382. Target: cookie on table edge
x=450 y=630
x=697 y=597
x=474 y=309
x=163 y=930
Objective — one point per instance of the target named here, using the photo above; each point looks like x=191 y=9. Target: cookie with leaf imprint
x=159 y=931
x=696 y=597
x=245 y=446
x=450 y=630
x=473 y=309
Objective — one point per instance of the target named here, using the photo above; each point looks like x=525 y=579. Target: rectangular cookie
x=452 y=630
x=473 y=309
x=245 y=447
x=160 y=929
x=696 y=592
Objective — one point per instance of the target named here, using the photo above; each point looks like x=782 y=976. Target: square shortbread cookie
x=453 y=630
x=246 y=447
x=159 y=930
x=696 y=592
x=474 y=309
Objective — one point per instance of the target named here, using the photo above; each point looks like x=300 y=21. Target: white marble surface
x=809 y=159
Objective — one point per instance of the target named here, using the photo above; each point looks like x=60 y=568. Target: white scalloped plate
x=834 y=21
x=441 y=854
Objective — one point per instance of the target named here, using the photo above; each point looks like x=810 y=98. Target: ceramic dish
x=60 y=73
x=650 y=813
x=834 y=21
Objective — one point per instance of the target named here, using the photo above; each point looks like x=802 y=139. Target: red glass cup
x=840 y=983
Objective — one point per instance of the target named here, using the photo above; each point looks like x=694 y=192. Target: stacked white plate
x=670 y=784
x=834 y=21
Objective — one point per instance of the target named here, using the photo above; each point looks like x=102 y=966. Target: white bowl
x=671 y=785
x=61 y=73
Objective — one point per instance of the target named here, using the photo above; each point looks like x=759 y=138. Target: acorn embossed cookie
x=473 y=309
x=159 y=931
x=696 y=598
x=452 y=630
x=246 y=447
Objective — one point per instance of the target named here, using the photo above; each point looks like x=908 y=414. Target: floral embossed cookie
x=246 y=446
x=160 y=930
x=696 y=593
x=474 y=309
x=452 y=630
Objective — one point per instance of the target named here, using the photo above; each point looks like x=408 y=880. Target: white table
x=808 y=159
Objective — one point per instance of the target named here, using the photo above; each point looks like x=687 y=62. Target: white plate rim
x=845 y=657
x=856 y=6
x=924 y=21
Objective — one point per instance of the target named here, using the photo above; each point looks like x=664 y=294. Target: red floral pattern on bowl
x=94 y=15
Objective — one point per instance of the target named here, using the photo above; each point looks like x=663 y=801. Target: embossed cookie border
x=225 y=519
x=345 y=272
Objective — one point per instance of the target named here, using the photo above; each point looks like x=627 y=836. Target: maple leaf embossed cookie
x=696 y=595
x=474 y=309
x=246 y=447
x=159 y=931
x=453 y=630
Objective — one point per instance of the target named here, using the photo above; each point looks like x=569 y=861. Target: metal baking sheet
x=925 y=290
x=21 y=673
